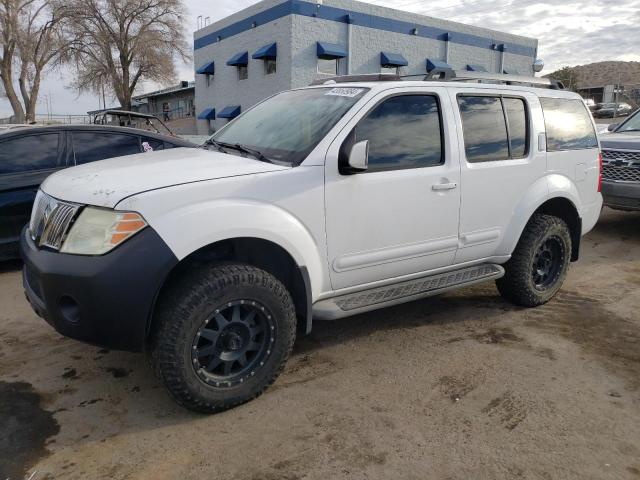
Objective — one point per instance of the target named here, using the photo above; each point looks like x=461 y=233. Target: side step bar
x=374 y=298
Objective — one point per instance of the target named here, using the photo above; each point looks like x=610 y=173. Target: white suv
x=318 y=203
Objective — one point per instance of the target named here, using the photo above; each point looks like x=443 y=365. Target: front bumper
x=105 y=300
x=621 y=195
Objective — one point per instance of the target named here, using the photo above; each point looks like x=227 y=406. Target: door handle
x=443 y=186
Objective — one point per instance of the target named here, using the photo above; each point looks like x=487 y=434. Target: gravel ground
x=454 y=387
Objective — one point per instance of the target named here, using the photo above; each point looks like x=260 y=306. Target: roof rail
x=465 y=76
x=447 y=75
x=371 y=77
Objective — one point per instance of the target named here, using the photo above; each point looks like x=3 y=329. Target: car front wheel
x=222 y=335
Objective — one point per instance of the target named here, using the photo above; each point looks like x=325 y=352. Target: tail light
x=600 y=172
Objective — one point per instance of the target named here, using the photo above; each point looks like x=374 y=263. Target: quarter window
x=568 y=124
x=494 y=128
x=90 y=147
x=403 y=132
x=29 y=153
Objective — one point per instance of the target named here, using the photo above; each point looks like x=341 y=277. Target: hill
x=599 y=74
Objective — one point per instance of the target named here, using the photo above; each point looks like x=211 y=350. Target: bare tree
x=122 y=42
x=32 y=38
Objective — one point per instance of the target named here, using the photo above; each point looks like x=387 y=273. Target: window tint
x=403 y=132
x=89 y=146
x=30 y=152
x=568 y=124
x=517 y=121
x=485 y=130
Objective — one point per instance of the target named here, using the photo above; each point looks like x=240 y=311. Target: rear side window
x=403 y=132
x=28 y=153
x=90 y=147
x=494 y=128
x=568 y=124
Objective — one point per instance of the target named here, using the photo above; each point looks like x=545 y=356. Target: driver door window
x=403 y=132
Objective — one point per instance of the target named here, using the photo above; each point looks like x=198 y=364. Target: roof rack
x=448 y=75
x=370 y=77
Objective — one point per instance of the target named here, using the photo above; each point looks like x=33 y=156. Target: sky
x=569 y=33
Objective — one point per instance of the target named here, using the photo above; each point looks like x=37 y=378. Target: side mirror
x=359 y=156
x=612 y=127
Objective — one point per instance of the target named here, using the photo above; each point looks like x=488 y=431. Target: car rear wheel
x=222 y=335
x=539 y=264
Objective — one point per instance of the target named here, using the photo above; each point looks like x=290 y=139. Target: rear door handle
x=444 y=186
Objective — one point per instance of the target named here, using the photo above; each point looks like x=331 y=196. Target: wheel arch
x=552 y=195
x=258 y=252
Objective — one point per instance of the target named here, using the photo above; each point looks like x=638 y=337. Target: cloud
x=572 y=33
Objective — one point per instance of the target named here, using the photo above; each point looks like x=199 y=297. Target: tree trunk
x=33 y=99
x=6 y=74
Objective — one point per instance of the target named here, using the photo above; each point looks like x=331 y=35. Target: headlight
x=97 y=231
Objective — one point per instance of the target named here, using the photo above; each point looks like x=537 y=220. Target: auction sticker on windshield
x=344 y=92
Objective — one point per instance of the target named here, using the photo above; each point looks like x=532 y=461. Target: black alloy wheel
x=233 y=343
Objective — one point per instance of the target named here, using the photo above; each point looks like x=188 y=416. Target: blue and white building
x=276 y=45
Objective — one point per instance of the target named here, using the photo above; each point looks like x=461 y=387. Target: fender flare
x=244 y=218
x=544 y=189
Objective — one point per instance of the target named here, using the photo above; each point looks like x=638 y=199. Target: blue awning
x=207 y=114
x=476 y=68
x=437 y=65
x=239 y=60
x=207 y=69
x=392 y=60
x=231 y=111
x=329 y=51
x=268 y=51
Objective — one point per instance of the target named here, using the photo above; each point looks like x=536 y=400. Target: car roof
x=92 y=128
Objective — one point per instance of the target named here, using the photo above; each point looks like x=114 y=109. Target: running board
x=379 y=297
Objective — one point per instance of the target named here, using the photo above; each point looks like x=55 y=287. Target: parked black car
x=29 y=155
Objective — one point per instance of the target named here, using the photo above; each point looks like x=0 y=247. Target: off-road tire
x=179 y=318
x=518 y=284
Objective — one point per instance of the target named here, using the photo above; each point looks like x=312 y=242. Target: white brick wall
x=297 y=62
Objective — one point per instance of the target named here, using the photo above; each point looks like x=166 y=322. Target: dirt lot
x=455 y=387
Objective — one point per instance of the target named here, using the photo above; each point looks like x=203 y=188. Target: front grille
x=625 y=155
x=620 y=174
x=50 y=220
x=621 y=165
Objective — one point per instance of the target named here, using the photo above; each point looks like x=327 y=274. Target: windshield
x=288 y=126
x=631 y=125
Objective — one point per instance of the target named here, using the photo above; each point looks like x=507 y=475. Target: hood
x=107 y=182
x=623 y=141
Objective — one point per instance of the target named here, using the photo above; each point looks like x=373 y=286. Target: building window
x=270 y=66
x=208 y=80
x=394 y=70
x=243 y=72
x=328 y=66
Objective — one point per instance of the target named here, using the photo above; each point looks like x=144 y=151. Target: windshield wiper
x=241 y=148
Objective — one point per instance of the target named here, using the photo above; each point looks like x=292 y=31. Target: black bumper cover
x=621 y=195
x=104 y=300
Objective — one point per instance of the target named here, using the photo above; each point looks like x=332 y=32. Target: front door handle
x=444 y=186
